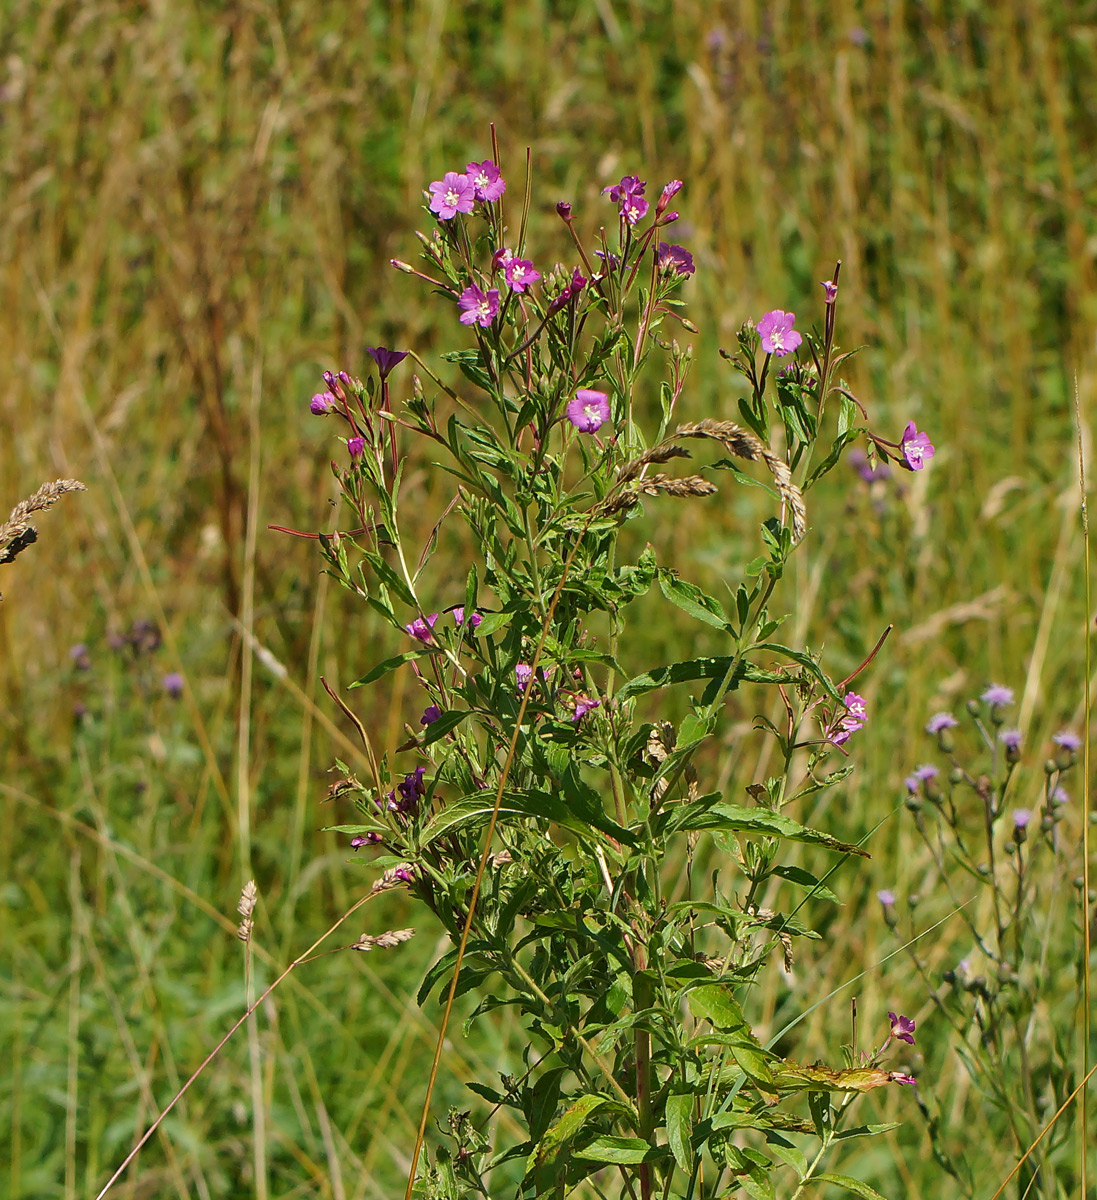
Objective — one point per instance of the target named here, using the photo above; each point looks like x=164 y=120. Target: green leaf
x=694 y=669
x=390 y=664
x=805 y=879
x=680 y=1129
x=620 y=1150
x=854 y=1185
x=805 y=660
x=833 y=455
x=493 y=622
x=692 y=600
x=866 y=1130
x=387 y=575
x=714 y=1003
x=735 y=819
x=477 y=809
x=556 y=1143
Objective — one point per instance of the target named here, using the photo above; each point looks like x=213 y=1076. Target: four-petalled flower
x=589 y=411
x=778 y=336
x=915 y=448
x=452 y=195
x=476 y=308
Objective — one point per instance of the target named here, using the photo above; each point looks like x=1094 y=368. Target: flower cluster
x=851 y=720
x=456 y=193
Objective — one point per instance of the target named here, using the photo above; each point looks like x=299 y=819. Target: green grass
x=200 y=207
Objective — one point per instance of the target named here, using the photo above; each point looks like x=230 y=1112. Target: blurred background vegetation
x=200 y=204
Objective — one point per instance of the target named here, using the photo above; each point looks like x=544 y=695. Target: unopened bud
x=407 y=268
x=564 y=210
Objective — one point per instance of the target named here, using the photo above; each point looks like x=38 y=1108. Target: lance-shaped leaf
x=620 y=1150
x=390 y=664
x=695 y=669
x=732 y=818
x=690 y=599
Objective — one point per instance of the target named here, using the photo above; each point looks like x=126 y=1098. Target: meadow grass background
x=200 y=205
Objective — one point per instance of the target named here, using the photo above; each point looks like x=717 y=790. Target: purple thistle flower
x=322 y=403
x=459 y=617
x=859 y=460
x=430 y=714
x=676 y=259
x=81 y=659
x=939 y=721
x=886 y=897
x=589 y=411
x=520 y=273
x=830 y=288
x=1059 y=797
x=1021 y=818
x=584 y=705
x=386 y=359
x=1011 y=739
x=478 y=308
x=356 y=446
x=422 y=628
x=778 y=336
x=915 y=448
x=902 y=1028
x=172 y=684
x=997 y=696
x=1068 y=740
x=451 y=195
x=919 y=776
x=485 y=178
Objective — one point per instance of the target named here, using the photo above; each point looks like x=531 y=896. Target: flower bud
x=564 y=210
x=407 y=268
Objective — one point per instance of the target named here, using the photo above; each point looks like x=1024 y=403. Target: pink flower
x=321 y=403
x=478 y=309
x=584 y=705
x=451 y=195
x=356 y=446
x=589 y=411
x=915 y=448
x=459 y=617
x=422 y=628
x=485 y=178
x=902 y=1028
x=778 y=336
x=673 y=259
x=831 y=290
x=855 y=716
x=628 y=195
x=520 y=274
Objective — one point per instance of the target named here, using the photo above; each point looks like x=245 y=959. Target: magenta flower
x=520 y=274
x=459 y=617
x=1021 y=818
x=478 y=309
x=386 y=359
x=628 y=195
x=365 y=839
x=778 y=336
x=886 y=897
x=356 y=446
x=430 y=714
x=902 y=1028
x=563 y=208
x=997 y=696
x=451 y=195
x=411 y=788
x=1068 y=741
x=854 y=718
x=321 y=403
x=674 y=259
x=584 y=705
x=172 y=684
x=939 y=721
x=1011 y=739
x=589 y=411
x=830 y=289
x=523 y=674
x=422 y=628
x=487 y=181
x=667 y=195
x=915 y=448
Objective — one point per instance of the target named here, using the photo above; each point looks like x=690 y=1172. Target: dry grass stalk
x=16 y=534
x=383 y=941
x=245 y=907
x=688 y=485
x=744 y=444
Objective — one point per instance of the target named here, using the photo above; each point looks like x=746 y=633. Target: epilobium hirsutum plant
x=541 y=808
x=992 y=824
